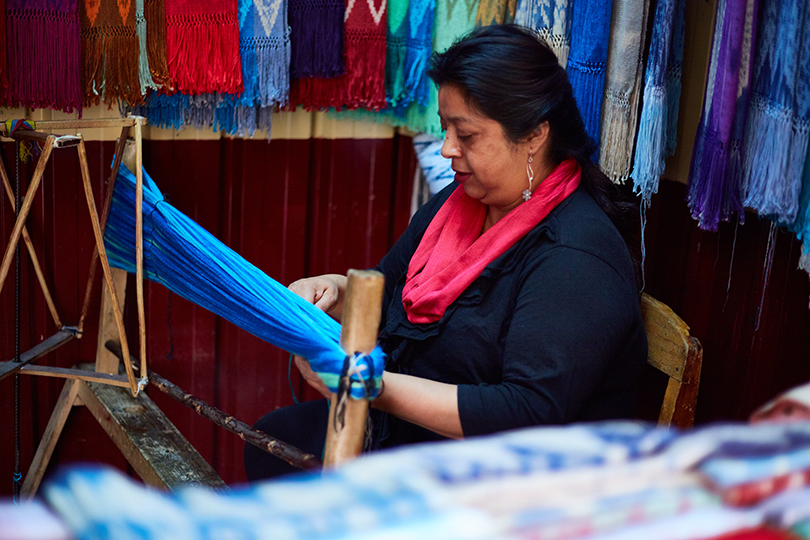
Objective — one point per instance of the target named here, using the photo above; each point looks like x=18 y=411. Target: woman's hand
x=311 y=377
x=325 y=291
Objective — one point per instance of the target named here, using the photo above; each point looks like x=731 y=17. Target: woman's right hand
x=325 y=291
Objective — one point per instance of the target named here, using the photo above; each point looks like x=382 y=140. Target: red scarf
x=453 y=253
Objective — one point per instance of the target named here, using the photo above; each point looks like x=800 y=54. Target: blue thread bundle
x=191 y=262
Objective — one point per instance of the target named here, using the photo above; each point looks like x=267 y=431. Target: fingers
x=310 y=376
x=318 y=290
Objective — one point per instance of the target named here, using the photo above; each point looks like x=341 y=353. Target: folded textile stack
x=610 y=480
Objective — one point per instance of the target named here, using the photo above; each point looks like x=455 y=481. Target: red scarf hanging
x=202 y=42
x=452 y=253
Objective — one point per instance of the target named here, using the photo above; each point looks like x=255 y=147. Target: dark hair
x=509 y=75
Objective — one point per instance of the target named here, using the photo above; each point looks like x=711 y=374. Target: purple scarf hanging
x=714 y=175
x=44 y=54
x=316 y=38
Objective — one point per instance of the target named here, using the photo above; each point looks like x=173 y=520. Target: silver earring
x=527 y=193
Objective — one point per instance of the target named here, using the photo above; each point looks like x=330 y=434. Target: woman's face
x=491 y=168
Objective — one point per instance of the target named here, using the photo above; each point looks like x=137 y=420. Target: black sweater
x=550 y=332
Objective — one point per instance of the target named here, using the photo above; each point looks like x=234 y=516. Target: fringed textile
x=625 y=72
x=163 y=110
x=802 y=224
x=778 y=127
x=109 y=52
x=418 y=48
x=155 y=16
x=587 y=59
x=3 y=50
x=316 y=38
x=188 y=260
x=715 y=171
x=395 y=50
x=144 y=75
x=551 y=19
x=202 y=42
x=495 y=12
x=363 y=84
x=44 y=54
x=662 y=90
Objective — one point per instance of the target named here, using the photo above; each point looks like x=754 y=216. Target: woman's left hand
x=311 y=377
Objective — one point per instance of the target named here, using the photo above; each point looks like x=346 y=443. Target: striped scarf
x=495 y=12
x=43 y=54
x=714 y=174
x=110 y=50
x=551 y=19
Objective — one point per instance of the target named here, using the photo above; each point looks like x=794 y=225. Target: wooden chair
x=676 y=353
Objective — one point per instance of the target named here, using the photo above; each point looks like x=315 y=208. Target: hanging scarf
x=495 y=12
x=662 y=90
x=714 y=175
x=3 y=53
x=202 y=41
x=43 y=54
x=778 y=128
x=802 y=224
x=418 y=47
x=395 y=50
x=453 y=253
x=363 y=84
x=625 y=70
x=551 y=19
x=155 y=18
x=109 y=52
x=144 y=76
x=316 y=45
x=587 y=60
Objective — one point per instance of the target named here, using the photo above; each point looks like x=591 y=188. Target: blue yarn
x=191 y=262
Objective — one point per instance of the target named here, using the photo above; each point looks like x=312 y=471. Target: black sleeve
x=572 y=314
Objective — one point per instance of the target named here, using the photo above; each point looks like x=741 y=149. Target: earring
x=527 y=193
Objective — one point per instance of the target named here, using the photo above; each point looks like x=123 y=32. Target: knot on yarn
x=361 y=375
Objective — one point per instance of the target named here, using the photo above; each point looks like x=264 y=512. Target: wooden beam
x=77 y=374
x=129 y=121
x=59 y=141
x=361 y=321
x=49 y=439
x=139 y=248
x=161 y=456
x=37 y=351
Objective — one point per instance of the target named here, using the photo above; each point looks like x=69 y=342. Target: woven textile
x=363 y=84
x=590 y=35
x=623 y=88
x=202 y=42
x=551 y=19
x=316 y=28
x=144 y=76
x=495 y=12
x=109 y=52
x=778 y=127
x=155 y=17
x=715 y=171
x=662 y=92
x=759 y=490
x=3 y=50
x=395 y=50
x=418 y=47
x=802 y=224
x=44 y=54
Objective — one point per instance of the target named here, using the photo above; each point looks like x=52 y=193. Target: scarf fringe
x=317 y=40
x=712 y=167
x=560 y=45
x=673 y=108
x=588 y=82
x=416 y=86
x=43 y=55
x=649 y=161
x=776 y=145
x=163 y=110
x=144 y=75
x=155 y=16
x=804 y=260
x=395 y=53
x=110 y=66
x=204 y=54
x=618 y=127
x=265 y=68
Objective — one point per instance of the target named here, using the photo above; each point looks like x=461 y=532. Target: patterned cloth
x=551 y=19
x=495 y=12
x=395 y=50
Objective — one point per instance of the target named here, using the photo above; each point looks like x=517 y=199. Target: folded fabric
x=793 y=405
x=758 y=490
x=726 y=472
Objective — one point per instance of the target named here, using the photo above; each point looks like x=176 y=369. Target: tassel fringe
x=155 y=15
x=144 y=76
x=267 y=81
x=395 y=52
x=110 y=66
x=588 y=82
x=317 y=39
x=650 y=146
x=618 y=129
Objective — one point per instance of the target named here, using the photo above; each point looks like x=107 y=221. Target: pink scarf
x=452 y=253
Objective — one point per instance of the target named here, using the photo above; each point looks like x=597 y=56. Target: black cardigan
x=549 y=333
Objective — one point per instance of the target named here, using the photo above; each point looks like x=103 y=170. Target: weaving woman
x=511 y=300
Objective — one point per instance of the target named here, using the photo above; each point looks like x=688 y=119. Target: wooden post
x=361 y=321
x=139 y=247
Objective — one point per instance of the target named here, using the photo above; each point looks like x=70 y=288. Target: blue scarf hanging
x=551 y=19
x=662 y=90
x=188 y=260
x=418 y=47
x=778 y=127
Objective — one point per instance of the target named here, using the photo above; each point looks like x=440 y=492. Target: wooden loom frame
x=345 y=434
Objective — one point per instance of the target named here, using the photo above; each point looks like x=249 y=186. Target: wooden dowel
x=37 y=351
x=361 y=321
x=91 y=123
x=32 y=253
x=91 y=276
x=259 y=439
x=77 y=374
x=139 y=247
x=105 y=265
x=60 y=141
x=26 y=207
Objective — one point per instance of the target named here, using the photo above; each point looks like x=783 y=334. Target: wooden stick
x=32 y=253
x=60 y=141
x=361 y=320
x=49 y=439
x=26 y=207
x=129 y=121
x=37 y=351
x=105 y=265
x=105 y=211
x=139 y=247
x=75 y=374
x=259 y=439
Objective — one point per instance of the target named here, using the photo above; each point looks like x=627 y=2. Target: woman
x=511 y=300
